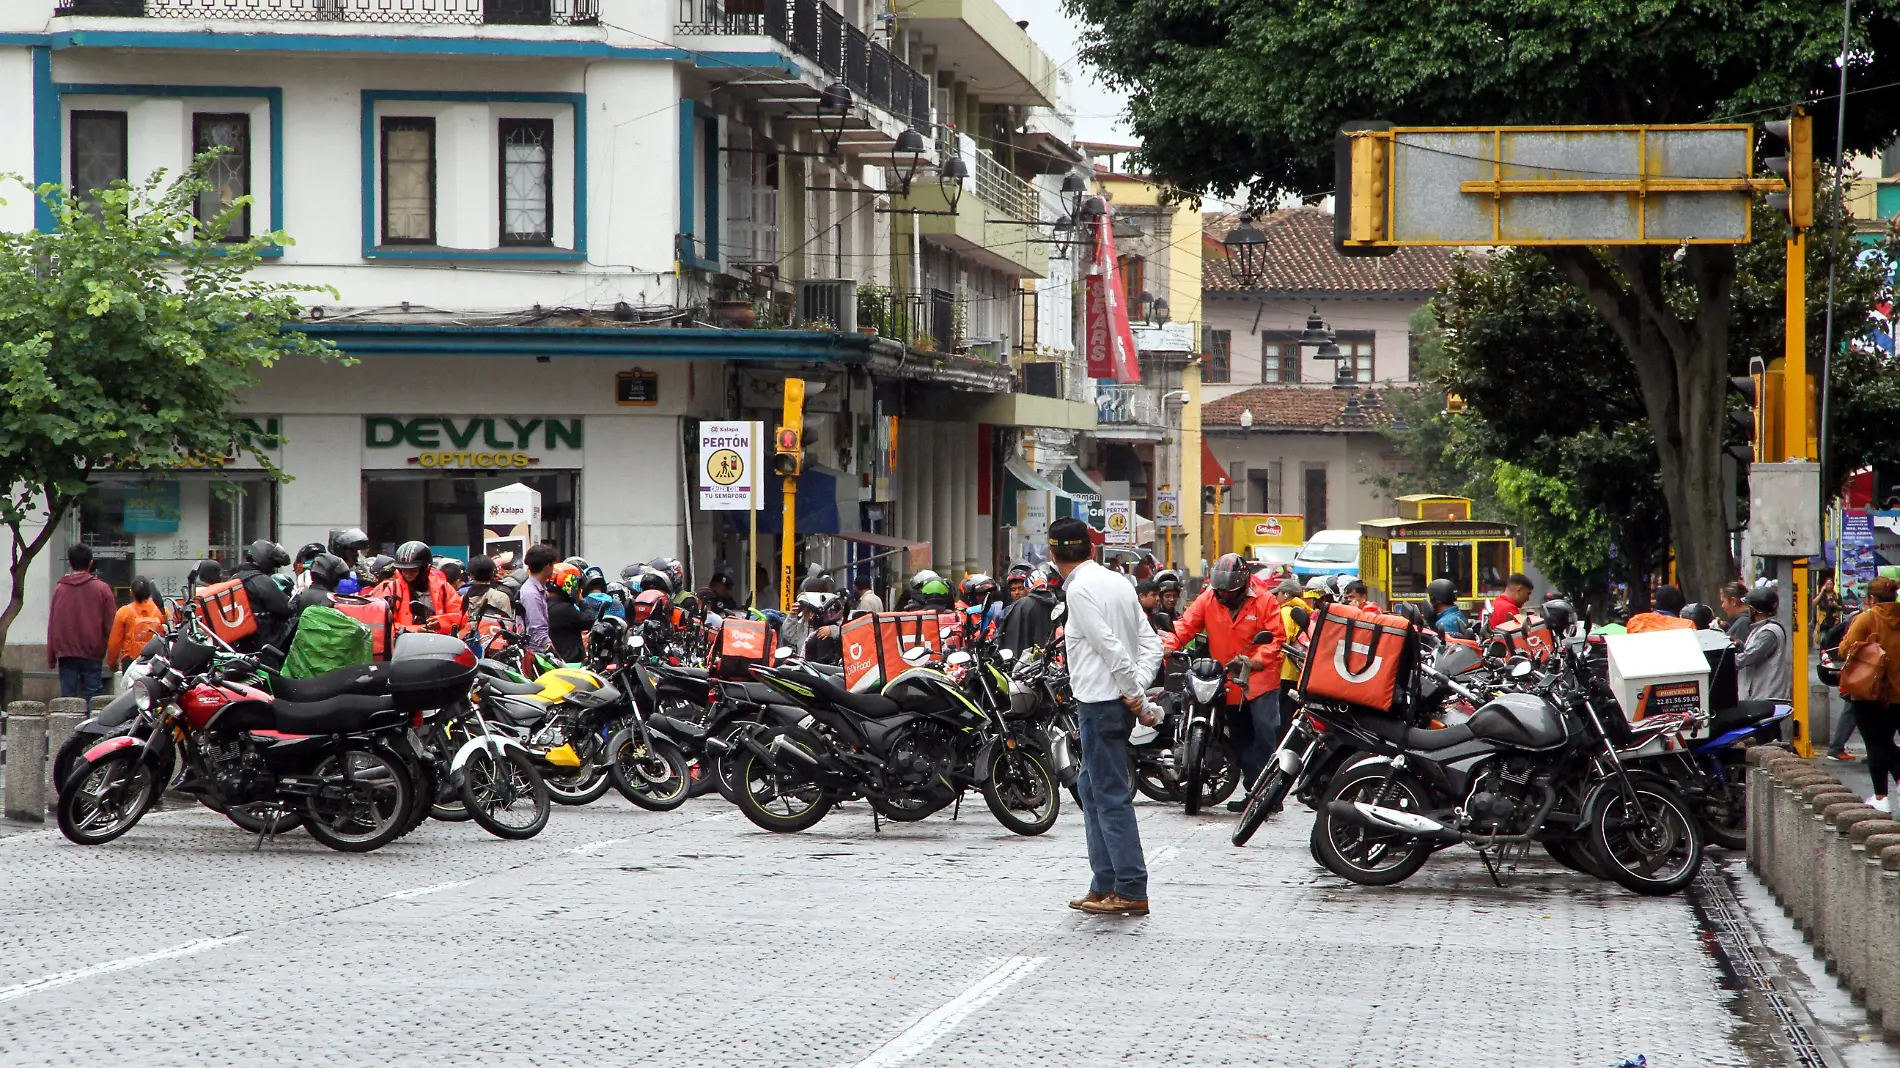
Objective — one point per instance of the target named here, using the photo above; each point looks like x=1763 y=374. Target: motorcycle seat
x=362 y=679
x=346 y=714
x=496 y=685
x=875 y=706
x=749 y=692
x=699 y=674
x=1428 y=741
x=1745 y=714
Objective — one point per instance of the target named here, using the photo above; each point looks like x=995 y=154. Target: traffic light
x=1362 y=162
x=1747 y=420
x=789 y=450
x=1796 y=168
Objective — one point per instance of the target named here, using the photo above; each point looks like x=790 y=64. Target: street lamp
x=1074 y=186
x=1065 y=226
x=836 y=99
x=1316 y=332
x=910 y=143
x=1158 y=311
x=950 y=176
x=1247 y=252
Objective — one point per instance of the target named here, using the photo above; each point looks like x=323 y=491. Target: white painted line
x=48 y=982
x=925 y=1033
x=1161 y=857
x=404 y=895
x=583 y=850
x=715 y=816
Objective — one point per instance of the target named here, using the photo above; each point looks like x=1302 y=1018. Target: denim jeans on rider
x=1108 y=801
x=1264 y=712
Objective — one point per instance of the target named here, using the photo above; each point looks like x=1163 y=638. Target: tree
x=1248 y=94
x=125 y=335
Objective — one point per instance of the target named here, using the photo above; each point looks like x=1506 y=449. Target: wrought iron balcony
x=816 y=31
x=425 y=12
x=923 y=320
x=1127 y=404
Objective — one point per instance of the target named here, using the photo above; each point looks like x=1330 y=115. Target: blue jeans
x=1108 y=801
x=1256 y=746
x=79 y=677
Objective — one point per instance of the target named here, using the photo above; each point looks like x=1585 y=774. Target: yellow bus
x=1434 y=537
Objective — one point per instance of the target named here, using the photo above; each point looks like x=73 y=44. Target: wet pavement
x=693 y=938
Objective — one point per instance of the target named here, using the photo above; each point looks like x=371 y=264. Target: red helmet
x=649 y=604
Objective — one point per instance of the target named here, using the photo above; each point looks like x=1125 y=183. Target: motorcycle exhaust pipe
x=783 y=746
x=716 y=746
x=752 y=745
x=1392 y=821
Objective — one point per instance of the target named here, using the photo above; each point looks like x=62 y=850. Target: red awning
x=1212 y=473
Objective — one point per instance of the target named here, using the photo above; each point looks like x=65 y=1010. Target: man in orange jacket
x=421 y=603
x=1665 y=613
x=1231 y=610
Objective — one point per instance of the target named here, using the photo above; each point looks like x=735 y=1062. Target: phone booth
x=1434 y=537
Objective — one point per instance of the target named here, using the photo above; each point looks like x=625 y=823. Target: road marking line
x=923 y=1034
x=709 y=819
x=48 y=982
x=404 y=895
x=1161 y=857
x=581 y=850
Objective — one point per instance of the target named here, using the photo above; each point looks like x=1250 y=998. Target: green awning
x=1078 y=481
x=1025 y=477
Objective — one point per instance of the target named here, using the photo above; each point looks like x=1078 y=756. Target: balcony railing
x=816 y=31
x=1126 y=404
x=1002 y=189
x=922 y=320
x=447 y=12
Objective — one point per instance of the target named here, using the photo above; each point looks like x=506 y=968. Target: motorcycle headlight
x=142 y=697
x=1205 y=690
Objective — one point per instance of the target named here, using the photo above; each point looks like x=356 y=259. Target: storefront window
x=445 y=510
x=1494 y=566
x=1452 y=560
x=160 y=527
x=1408 y=569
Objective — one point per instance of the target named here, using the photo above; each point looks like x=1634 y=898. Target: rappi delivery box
x=1658 y=671
x=743 y=645
x=875 y=643
x=1530 y=637
x=1358 y=655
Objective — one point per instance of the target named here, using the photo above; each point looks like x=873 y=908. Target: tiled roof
x=1301 y=258
x=1301 y=408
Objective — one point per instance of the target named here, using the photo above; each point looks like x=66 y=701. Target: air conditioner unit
x=829 y=299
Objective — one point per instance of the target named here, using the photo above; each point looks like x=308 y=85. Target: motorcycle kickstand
x=957 y=810
x=1485 y=855
x=877 y=826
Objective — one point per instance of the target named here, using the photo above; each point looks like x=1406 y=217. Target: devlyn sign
x=470 y=442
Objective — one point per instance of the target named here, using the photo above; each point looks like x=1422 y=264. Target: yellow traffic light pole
x=1797 y=167
x=789 y=444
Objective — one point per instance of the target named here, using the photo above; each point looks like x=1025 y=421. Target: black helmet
x=348 y=539
x=1409 y=609
x=414 y=554
x=1700 y=614
x=378 y=568
x=267 y=555
x=605 y=636
x=650 y=579
x=208 y=572
x=1442 y=592
x=1230 y=574
x=578 y=563
x=1168 y=580
x=978 y=590
x=1558 y=616
x=631 y=573
x=309 y=552
x=327 y=570
x=1764 y=600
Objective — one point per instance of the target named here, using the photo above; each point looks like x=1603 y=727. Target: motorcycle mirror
x=1265 y=637
x=784 y=652
x=1520 y=668
x=638 y=641
x=1057 y=612
x=1006 y=655
x=917 y=654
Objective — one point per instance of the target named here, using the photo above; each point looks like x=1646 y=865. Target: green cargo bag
x=326 y=640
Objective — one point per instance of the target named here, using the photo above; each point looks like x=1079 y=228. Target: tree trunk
x=1681 y=365
x=23 y=554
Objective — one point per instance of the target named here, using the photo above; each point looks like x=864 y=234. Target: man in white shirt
x=1112 y=652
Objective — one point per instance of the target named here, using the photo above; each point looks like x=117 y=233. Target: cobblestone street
x=692 y=938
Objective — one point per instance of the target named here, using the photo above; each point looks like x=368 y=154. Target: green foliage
x=126 y=334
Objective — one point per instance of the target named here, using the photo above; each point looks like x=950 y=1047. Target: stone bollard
x=101 y=701
x=26 y=761
x=64 y=713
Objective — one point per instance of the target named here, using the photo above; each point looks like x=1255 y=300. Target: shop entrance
x=446 y=510
x=161 y=527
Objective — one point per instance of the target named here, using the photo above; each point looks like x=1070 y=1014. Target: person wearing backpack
x=1870 y=681
x=134 y=624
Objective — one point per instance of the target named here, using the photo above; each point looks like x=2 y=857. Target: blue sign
x=1856 y=547
x=152 y=508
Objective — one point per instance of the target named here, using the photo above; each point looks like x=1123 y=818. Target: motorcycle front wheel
x=578 y=786
x=505 y=794
x=1021 y=790
x=1652 y=845
x=652 y=774
x=361 y=800
x=1268 y=792
x=1194 y=773
x=103 y=799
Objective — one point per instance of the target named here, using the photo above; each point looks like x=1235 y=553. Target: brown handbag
x=1864 y=676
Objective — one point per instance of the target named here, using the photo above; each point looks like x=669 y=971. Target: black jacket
x=567 y=621
x=271 y=607
x=310 y=595
x=825 y=650
x=1029 y=623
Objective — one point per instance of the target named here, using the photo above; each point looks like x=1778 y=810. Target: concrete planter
x=1834 y=864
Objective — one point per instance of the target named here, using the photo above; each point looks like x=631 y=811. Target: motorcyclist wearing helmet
x=568 y=613
x=422 y=597
x=1446 y=617
x=1016 y=583
x=820 y=625
x=269 y=603
x=324 y=572
x=1665 y=613
x=1764 y=667
x=300 y=563
x=594 y=592
x=1231 y=610
x=1168 y=583
x=486 y=607
x=981 y=604
x=927 y=591
x=348 y=544
x=1030 y=621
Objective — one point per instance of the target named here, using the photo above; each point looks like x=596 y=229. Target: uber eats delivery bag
x=326 y=640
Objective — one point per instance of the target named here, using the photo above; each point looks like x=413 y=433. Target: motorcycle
x=1540 y=764
x=1209 y=769
x=1712 y=774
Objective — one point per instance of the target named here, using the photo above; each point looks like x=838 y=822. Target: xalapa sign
x=471 y=442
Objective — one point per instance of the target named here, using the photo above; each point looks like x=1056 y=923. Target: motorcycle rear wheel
x=494 y=788
x=367 y=812
x=1021 y=790
x=103 y=799
x=784 y=803
x=1360 y=854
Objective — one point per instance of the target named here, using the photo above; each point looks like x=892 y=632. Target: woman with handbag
x=1870 y=681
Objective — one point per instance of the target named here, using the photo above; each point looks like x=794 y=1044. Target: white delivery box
x=1658 y=672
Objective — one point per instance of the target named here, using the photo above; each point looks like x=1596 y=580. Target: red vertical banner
x=1109 y=340
x=984 y=480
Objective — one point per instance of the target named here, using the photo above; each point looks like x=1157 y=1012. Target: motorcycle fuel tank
x=1520 y=720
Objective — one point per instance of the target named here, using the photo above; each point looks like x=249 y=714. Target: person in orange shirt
x=1231 y=610
x=421 y=594
x=1665 y=613
x=134 y=624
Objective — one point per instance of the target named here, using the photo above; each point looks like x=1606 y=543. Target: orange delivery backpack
x=226 y=609
x=743 y=645
x=876 y=642
x=1359 y=656
x=374 y=613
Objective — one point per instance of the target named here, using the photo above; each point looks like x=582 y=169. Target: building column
x=972 y=522
x=942 y=498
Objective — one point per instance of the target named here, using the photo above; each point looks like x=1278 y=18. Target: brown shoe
x=1116 y=905
x=1083 y=902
